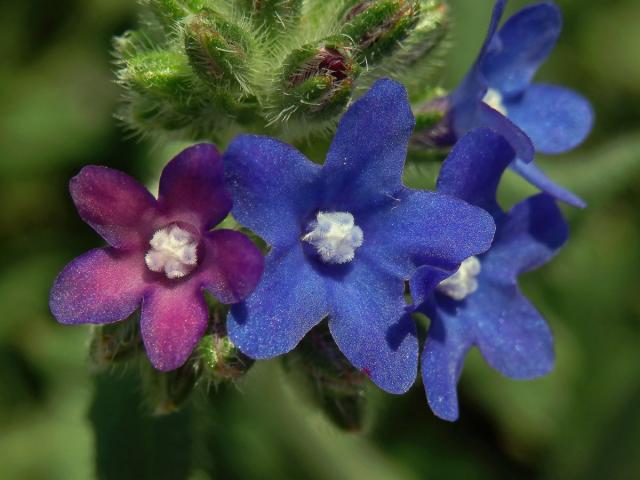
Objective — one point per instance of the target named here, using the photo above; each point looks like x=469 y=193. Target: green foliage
x=205 y=69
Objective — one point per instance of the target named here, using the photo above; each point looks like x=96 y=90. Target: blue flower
x=498 y=93
x=481 y=304
x=344 y=238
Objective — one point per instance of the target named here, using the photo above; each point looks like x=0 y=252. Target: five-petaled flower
x=497 y=93
x=344 y=238
x=162 y=254
x=481 y=304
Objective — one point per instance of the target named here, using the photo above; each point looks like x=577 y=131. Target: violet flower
x=497 y=93
x=161 y=254
x=481 y=304
x=344 y=238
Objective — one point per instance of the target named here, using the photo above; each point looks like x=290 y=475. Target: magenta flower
x=162 y=254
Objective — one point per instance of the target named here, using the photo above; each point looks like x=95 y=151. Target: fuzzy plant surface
x=208 y=69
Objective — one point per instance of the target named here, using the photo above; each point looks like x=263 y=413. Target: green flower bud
x=166 y=392
x=274 y=16
x=168 y=12
x=219 y=51
x=316 y=83
x=220 y=360
x=114 y=343
x=376 y=27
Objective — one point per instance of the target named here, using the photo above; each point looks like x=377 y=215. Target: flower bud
x=166 y=392
x=170 y=11
x=219 y=51
x=376 y=27
x=220 y=360
x=316 y=83
x=114 y=343
x=274 y=16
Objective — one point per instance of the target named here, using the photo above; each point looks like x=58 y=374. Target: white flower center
x=462 y=283
x=493 y=98
x=173 y=251
x=335 y=236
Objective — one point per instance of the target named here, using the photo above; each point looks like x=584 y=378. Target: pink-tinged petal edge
x=232 y=267
x=101 y=286
x=172 y=322
x=114 y=204
x=192 y=185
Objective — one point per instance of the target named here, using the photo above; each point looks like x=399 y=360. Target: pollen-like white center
x=462 y=283
x=335 y=236
x=494 y=99
x=173 y=251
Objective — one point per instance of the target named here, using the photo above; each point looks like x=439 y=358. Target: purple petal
x=445 y=349
x=522 y=44
x=192 y=186
x=101 y=286
x=527 y=237
x=115 y=205
x=425 y=228
x=367 y=155
x=173 y=320
x=556 y=119
x=511 y=334
x=232 y=265
x=274 y=187
x=531 y=173
x=474 y=85
x=474 y=167
x=369 y=325
x=289 y=300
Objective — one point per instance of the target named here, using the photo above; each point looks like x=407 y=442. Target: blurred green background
x=57 y=97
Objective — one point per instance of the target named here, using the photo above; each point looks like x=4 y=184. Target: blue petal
x=510 y=333
x=290 y=299
x=527 y=237
x=531 y=173
x=366 y=159
x=447 y=344
x=474 y=85
x=474 y=167
x=556 y=119
x=520 y=47
x=274 y=187
x=369 y=325
x=424 y=282
x=424 y=228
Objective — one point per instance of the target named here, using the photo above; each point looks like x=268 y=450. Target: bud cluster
x=208 y=69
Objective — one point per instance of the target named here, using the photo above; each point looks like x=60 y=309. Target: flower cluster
x=346 y=238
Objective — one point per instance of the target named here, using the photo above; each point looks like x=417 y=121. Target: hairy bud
x=274 y=16
x=114 y=343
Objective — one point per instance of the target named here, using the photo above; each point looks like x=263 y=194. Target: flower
x=161 y=254
x=497 y=93
x=481 y=304
x=344 y=237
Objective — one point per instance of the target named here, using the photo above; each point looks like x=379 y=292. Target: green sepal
x=115 y=343
x=274 y=16
x=329 y=379
x=168 y=12
x=219 y=51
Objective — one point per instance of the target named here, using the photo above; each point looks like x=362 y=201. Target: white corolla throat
x=462 y=283
x=494 y=99
x=335 y=236
x=173 y=251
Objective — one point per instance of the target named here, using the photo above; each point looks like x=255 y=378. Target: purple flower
x=481 y=304
x=344 y=237
x=161 y=254
x=498 y=93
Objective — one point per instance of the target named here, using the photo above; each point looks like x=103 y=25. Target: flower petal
x=173 y=320
x=474 y=167
x=528 y=237
x=101 y=286
x=534 y=175
x=556 y=119
x=521 y=143
x=511 y=334
x=367 y=155
x=424 y=228
x=369 y=325
x=192 y=184
x=115 y=205
x=289 y=300
x=522 y=44
x=232 y=265
x=274 y=187
x=445 y=349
